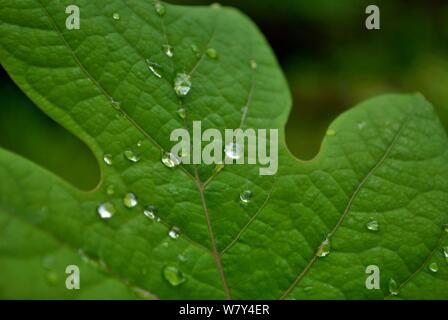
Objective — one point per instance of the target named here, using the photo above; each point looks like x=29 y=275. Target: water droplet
x=115 y=104
x=169 y=51
x=433 y=267
x=182 y=113
x=195 y=50
x=110 y=190
x=331 y=132
x=174 y=233
x=215 y=5
x=108 y=159
x=52 y=278
x=160 y=8
x=324 y=249
x=116 y=16
x=445 y=227
x=130 y=200
x=307 y=289
x=131 y=156
x=233 y=151
x=182 y=258
x=173 y=275
x=155 y=68
x=393 y=287
x=373 y=225
x=182 y=84
x=150 y=212
x=139 y=144
x=362 y=125
x=253 y=64
x=246 y=196
x=170 y=160
x=106 y=210
x=212 y=53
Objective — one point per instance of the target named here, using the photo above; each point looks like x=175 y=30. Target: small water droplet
x=212 y=53
x=362 y=125
x=160 y=8
x=131 y=156
x=110 y=190
x=445 y=227
x=195 y=50
x=170 y=160
x=115 y=104
x=173 y=275
x=174 y=233
x=215 y=5
x=108 y=159
x=52 y=278
x=169 y=50
x=182 y=84
x=331 y=132
x=246 y=196
x=150 y=212
x=155 y=68
x=139 y=144
x=393 y=287
x=373 y=225
x=433 y=267
x=116 y=16
x=324 y=249
x=307 y=289
x=182 y=258
x=233 y=151
x=130 y=200
x=445 y=253
x=182 y=113
x=106 y=210
x=253 y=64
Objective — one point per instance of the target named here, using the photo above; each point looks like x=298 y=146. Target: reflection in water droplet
x=150 y=212
x=131 y=156
x=212 y=53
x=169 y=51
x=173 y=275
x=160 y=8
x=373 y=225
x=116 y=16
x=233 y=151
x=110 y=190
x=155 y=68
x=331 y=132
x=106 y=210
x=433 y=267
x=182 y=84
x=246 y=196
x=130 y=200
x=182 y=113
x=174 y=233
x=324 y=249
x=108 y=159
x=170 y=160
x=393 y=287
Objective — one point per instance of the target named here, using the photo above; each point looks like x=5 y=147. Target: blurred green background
x=331 y=60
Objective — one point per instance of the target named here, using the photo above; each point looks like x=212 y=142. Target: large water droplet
x=160 y=8
x=212 y=53
x=174 y=233
x=131 y=156
x=130 y=200
x=182 y=84
x=150 y=212
x=108 y=159
x=182 y=113
x=246 y=196
x=233 y=151
x=324 y=249
x=155 y=68
x=393 y=287
x=173 y=275
x=433 y=267
x=170 y=160
x=116 y=16
x=106 y=210
x=331 y=132
x=373 y=225
x=169 y=50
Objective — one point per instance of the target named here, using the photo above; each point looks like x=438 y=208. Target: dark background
x=331 y=60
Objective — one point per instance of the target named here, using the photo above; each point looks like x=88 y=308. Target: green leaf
x=386 y=160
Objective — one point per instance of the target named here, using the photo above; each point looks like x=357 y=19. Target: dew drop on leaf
x=373 y=225
x=160 y=8
x=108 y=159
x=116 y=16
x=150 y=212
x=253 y=64
x=215 y=5
x=445 y=227
x=170 y=160
x=182 y=84
x=110 y=190
x=195 y=50
x=246 y=196
x=106 y=210
x=433 y=267
x=182 y=113
x=307 y=289
x=182 y=258
x=362 y=125
x=445 y=253
x=173 y=275
x=115 y=104
x=130 y=200
x=212 y=53
x=131 y=156
x=155 y=68
x=324 y=249
x=393 y=287
x=331 y=132
x=168 y=50
x=52 y=278
x=174 y=233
